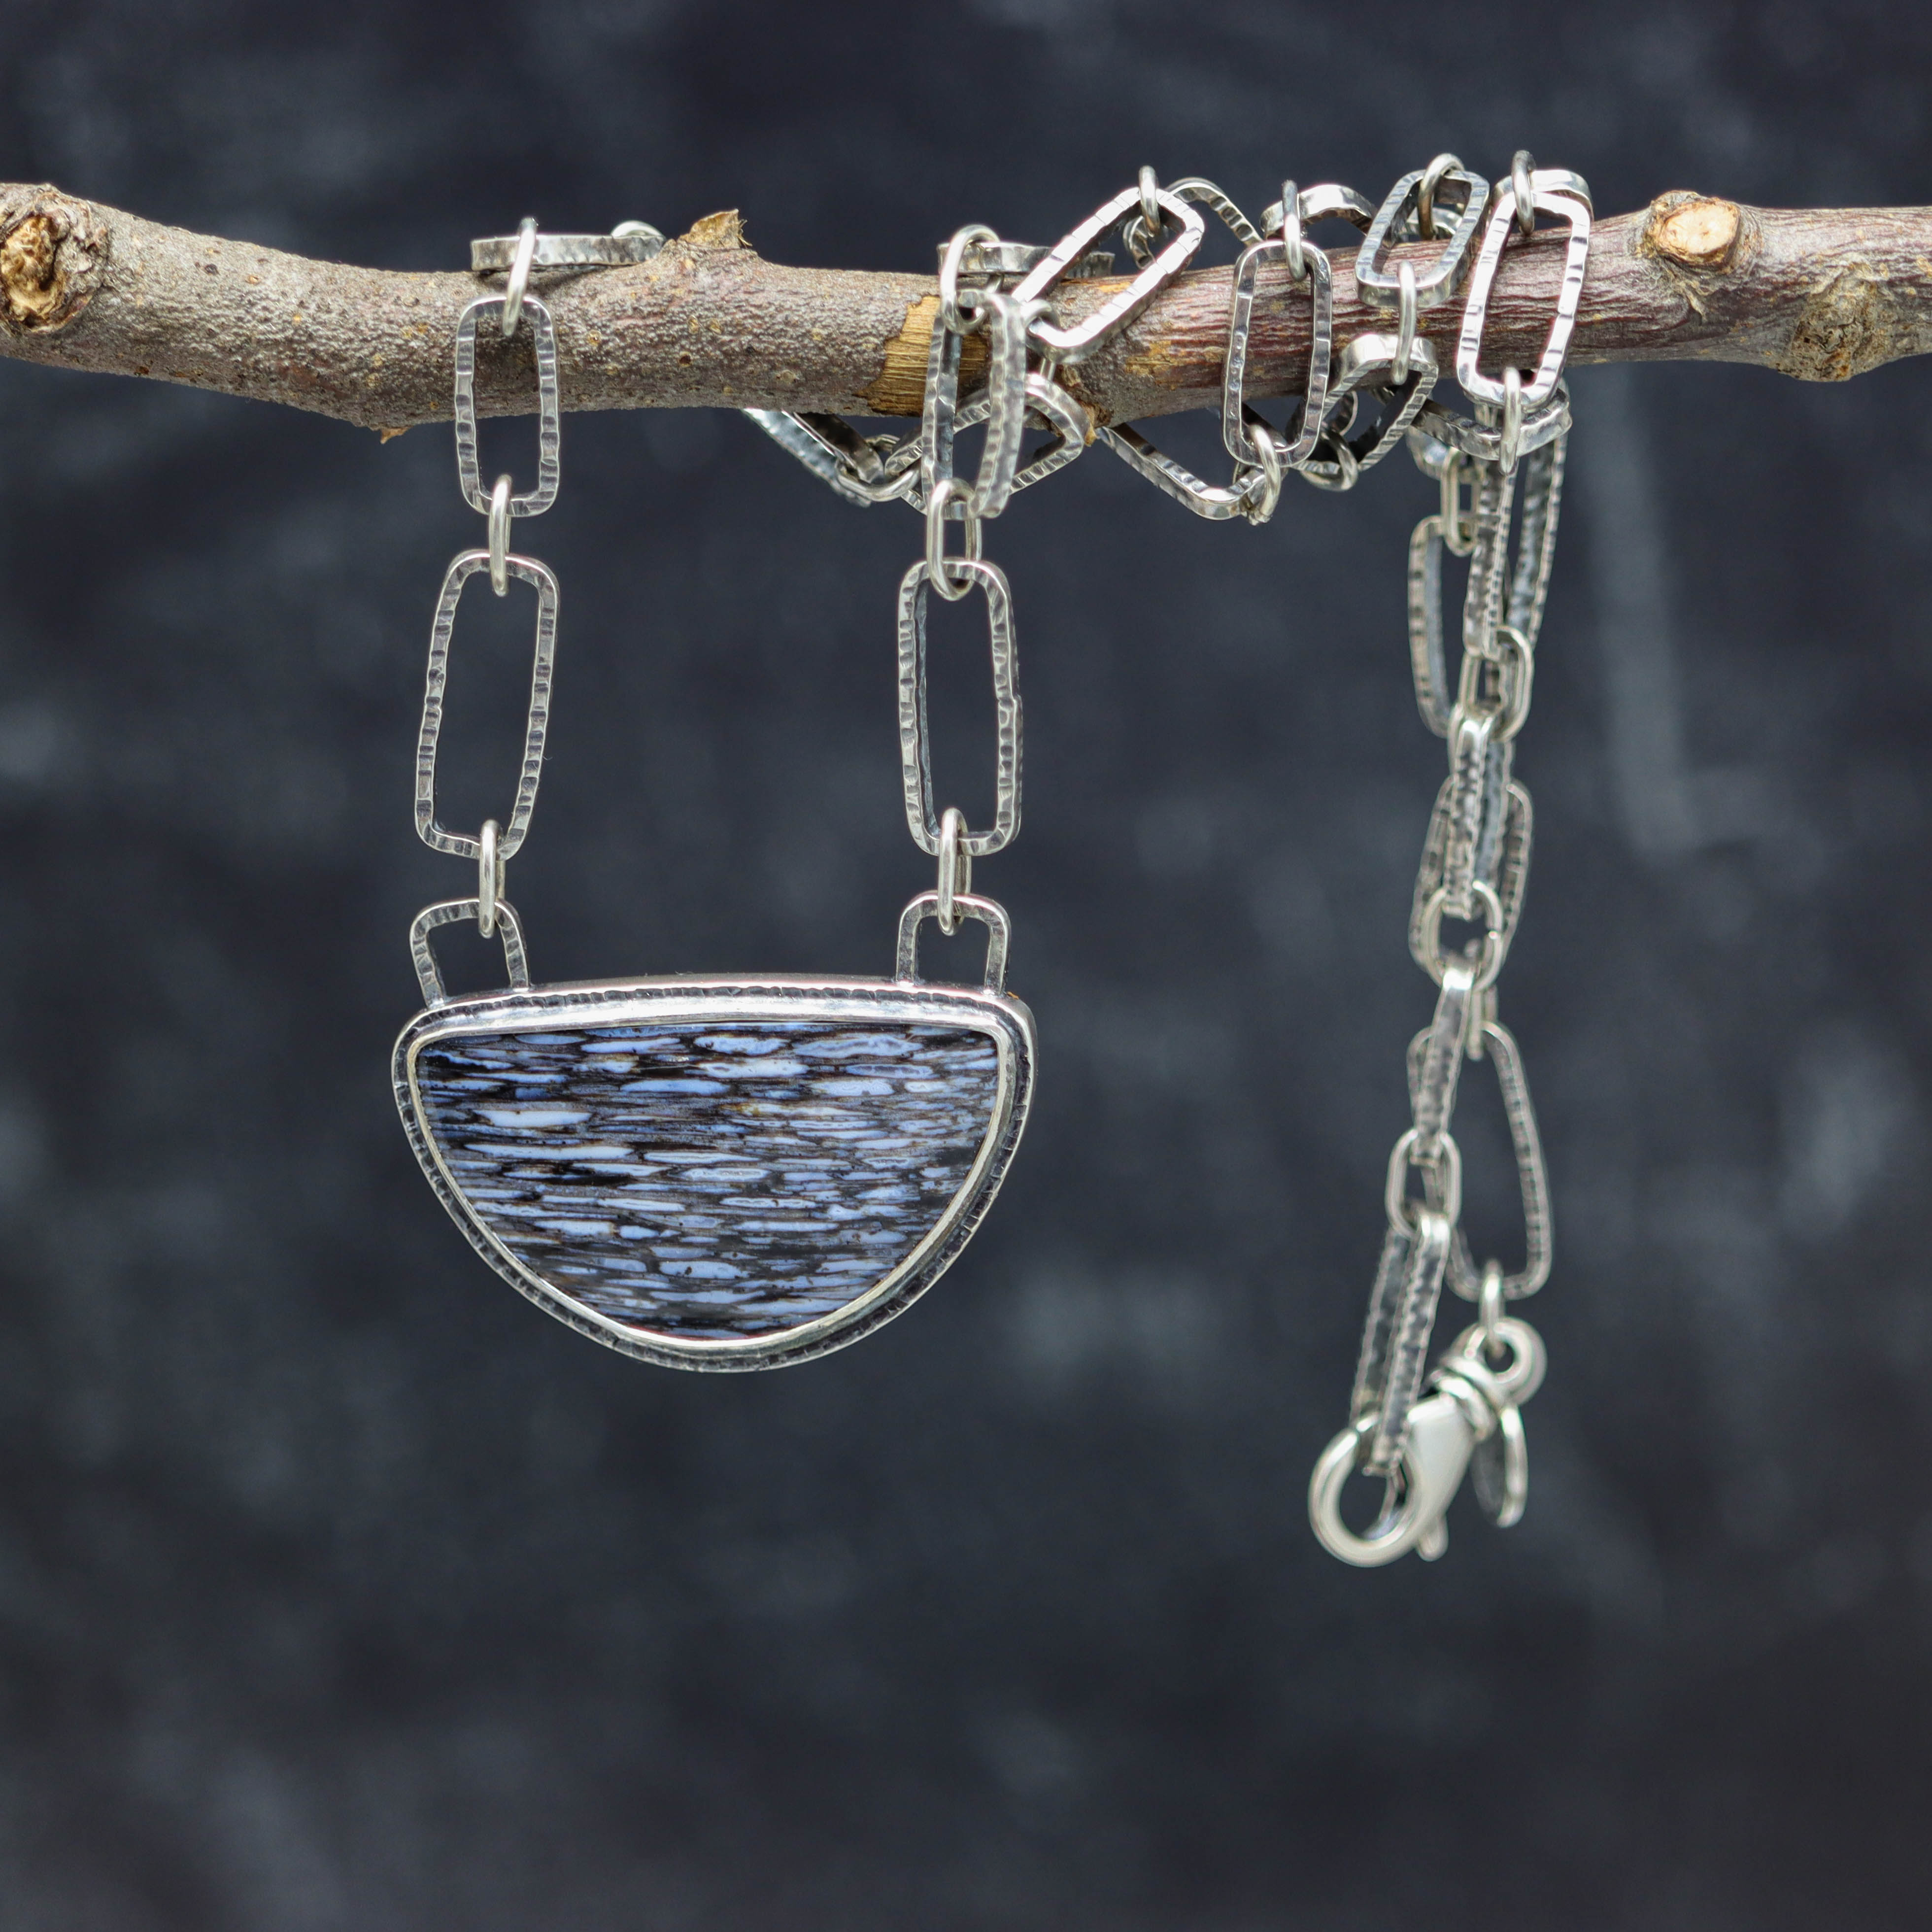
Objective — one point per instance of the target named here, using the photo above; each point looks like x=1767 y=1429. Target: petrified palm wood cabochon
x=719 y=1174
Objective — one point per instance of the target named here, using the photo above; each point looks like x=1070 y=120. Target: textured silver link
x=988 y=912
x=866 y=470
x=1501 y=873
x=1048 y=406
x=1409 y=1322
x=1427 y=661
x=629 y=242
x=1366 y=367
x=550 y=408
x=1539 y=502
x=998 y=262
x=833 y=451
x=1289 y=248
x=1487 y=610
x=1442 y=1044
x=1499 y=1047
x=1489 y=558
x=1073 y=344
x=429 y=977
x=1251 y=495
x=536 y=724
x=1401 y=218
x=1555 y=191
x=1484 y=439
x=1467 y=791
x=922 y=818
x=1327 y=201
x=1004 y=319
x=1006 y=399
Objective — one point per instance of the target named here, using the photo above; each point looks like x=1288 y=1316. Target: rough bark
x=1822 y=295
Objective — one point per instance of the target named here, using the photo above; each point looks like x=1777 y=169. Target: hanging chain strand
x=1419 y=1430
x=1003 y=291
x=492 y=848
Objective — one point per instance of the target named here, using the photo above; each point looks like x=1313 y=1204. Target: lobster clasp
x=1442 y=1436
x=1471 y=1411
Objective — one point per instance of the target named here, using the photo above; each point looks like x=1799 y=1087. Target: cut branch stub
x=52 y=257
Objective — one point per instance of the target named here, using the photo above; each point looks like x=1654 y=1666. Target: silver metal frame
x=676 y=1001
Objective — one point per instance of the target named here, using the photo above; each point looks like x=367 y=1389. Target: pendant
x=713 y=1173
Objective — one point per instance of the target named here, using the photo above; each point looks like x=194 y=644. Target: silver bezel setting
x=671 y=1001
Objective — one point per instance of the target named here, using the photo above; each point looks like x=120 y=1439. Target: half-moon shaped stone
x=711 y=1180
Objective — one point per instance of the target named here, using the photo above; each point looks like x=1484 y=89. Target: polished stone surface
x=711 y=1180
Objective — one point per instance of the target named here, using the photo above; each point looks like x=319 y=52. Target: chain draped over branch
x=1822 y=295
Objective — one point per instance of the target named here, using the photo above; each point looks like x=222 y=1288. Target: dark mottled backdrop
x=340 y=1588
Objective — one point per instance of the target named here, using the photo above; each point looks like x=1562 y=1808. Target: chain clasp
x=1470 y=1414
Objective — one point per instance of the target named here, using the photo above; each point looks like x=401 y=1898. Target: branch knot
x=52 y=250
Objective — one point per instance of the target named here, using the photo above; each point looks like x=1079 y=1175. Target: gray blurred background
x=339 y=1588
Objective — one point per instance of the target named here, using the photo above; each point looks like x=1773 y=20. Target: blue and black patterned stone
x=711 y=1180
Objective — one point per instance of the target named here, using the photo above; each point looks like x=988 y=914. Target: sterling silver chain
x=1416 y=1429
x=492 y=848
x=1499 y=471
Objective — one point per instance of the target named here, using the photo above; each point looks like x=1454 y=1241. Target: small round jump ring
x=1405 y=334
x=1491 y=1307
x=942 y=571
x=489 y=879
x=1425 y=192
x=1509 y=444
x=1443 y=1161
x=1273 y=468
x=1490 y=960
x=1290 y=231
x=955 y=869
x=499 y=538
x=518 y=285
x=1510 y=660
x=1521 y=169
x=1150 y=209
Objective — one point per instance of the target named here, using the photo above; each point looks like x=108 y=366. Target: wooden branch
x=1823 y=294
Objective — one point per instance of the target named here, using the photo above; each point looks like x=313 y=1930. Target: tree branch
x=1821 y=294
